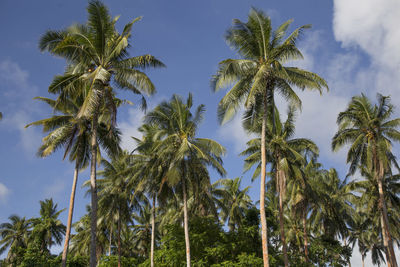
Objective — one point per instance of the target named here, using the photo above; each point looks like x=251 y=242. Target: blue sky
x=352 y=44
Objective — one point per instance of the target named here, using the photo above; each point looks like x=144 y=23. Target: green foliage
x=112 y=261
x=210 y=245
x=325 y=251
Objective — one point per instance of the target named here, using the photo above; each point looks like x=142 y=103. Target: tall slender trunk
x=264 y=236
x=185 y=223
x=305 y=235
x=281 y=219
x=387 y=238
x=153 y=231
x=93 y=190
x=70 y=213
x=362 y=259
x=119 y=236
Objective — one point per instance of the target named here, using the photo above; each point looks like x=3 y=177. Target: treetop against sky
x=352 y=44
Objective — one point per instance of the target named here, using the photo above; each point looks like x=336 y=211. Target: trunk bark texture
x=387 y=238
x=93 y=189
x=185 y=222
x=264 y=236
x=153 y=225
x=281 y=219
x=70 y=213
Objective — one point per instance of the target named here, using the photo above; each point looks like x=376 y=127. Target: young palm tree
x=114 y=195
x=182 y=149
x=14 y=234
x=149 y=171
x=67 y=131
x=331 y=210
x=300 y=194
x=285 y=153
x=98 y=57
x=80 y=242
x=235 y=201
x=48 y=229
x=370 y=131
x=258 y=74
x=367 y=202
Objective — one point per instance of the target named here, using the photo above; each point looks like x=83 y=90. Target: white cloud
x=233 y=132
x=130 y=127
x=4 y=192
x=18 y=107
x=372 y=25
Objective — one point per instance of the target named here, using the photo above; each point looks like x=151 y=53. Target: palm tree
x=182 y=149
x=258 y=74
x=80 y=242
x=235 y=201
x=114 y=195
x=370 y=131
x=149 y=171
x=143 y=229
x=299 y=197
x=98 y=56
x=366 y=204
x=14 y=234
x=285 y=153
x=67 y=131
x=331 y=210
x=364 y=233
x=48 y=229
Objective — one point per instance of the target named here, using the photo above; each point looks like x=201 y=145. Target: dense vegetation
x=156 y=205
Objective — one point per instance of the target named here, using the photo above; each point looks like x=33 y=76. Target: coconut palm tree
x=98 y=56
x=14 y=234
x=235 y=201
x=80 y=242
x=149 y=170
x=300 y=195
x=67 y=131
x=182 y=149
x=48 y=229
x=114 y=195
x=331 y=210
x=285 y=154
x=258 y=74
x=370 y=131
x=366 y=204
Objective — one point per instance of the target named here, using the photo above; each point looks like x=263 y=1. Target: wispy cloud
x=17 y=106
x=4 y=193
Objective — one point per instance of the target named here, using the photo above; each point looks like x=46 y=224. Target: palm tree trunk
x=153 y=225
x=281 y=219
x=387 y=238
x=119 y=237
x=264 y=236
x=70 y=213
x=185 y=223
x=362 y=259
x=390 y=257
x=93 y=190
x=305 y=236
